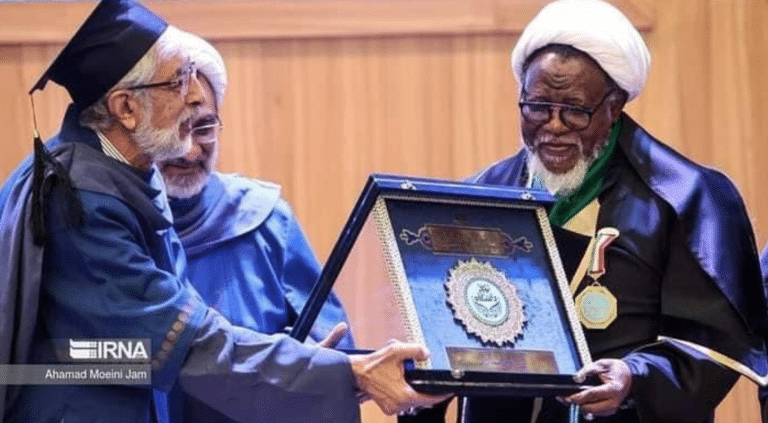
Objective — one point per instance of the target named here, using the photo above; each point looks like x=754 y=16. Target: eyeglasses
x=180 y=83
x=574 y=117
x=207 y=132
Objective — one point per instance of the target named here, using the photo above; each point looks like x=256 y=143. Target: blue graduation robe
x=248 y=257
x=250 y=260
x=122 y=274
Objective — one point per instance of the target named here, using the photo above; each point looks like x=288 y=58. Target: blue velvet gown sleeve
x=673 y=386
x=113 y=277
x=267 y=378
x=116 y=277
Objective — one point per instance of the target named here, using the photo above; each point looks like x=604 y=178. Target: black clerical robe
x=684 y=268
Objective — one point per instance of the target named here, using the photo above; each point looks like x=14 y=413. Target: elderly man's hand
x=380 y=377
x=605 y=399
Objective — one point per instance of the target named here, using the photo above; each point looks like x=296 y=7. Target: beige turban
x=596 y=28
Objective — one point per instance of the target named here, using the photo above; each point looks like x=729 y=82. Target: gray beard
x=187 y=186
x=562 y=184
x=163 y=144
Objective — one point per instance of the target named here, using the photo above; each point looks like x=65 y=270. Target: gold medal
x=596 y=305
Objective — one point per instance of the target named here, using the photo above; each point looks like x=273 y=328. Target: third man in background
x=246 y=254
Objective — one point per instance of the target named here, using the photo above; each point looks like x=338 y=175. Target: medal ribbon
x=603 y=238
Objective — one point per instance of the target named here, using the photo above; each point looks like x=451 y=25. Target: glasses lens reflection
x=206 y=133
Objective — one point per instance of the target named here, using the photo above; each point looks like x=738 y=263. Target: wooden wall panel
x=421 y=87
x=358 y=106
x=264 y=19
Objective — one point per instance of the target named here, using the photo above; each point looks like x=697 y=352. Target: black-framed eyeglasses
x=180 y=83
x=574 y=117
x=207 y=132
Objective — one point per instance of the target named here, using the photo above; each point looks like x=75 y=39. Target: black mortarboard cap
x=108 y=44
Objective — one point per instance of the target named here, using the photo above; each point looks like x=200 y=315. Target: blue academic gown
x=122 y=274
x=249 y=259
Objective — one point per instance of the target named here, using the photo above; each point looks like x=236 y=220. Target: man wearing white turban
x=679 y=312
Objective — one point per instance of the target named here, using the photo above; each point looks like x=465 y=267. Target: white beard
x=187 y=186
x=163 y=144
x=562 y=184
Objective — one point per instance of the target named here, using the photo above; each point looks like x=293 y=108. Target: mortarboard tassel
x=42 y=186
x=38 y=214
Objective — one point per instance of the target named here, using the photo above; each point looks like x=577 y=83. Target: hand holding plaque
x=379 y=377
x=606 y=398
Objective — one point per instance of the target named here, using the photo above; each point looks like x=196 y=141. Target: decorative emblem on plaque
x=485 y=302
x=596 y=305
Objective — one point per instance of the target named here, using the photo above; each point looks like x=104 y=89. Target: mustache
x=202 y=161
x=568 y=139
x=546 y=138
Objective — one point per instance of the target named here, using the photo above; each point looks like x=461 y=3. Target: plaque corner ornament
x=485 y=302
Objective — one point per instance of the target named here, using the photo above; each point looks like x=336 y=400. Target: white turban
x=596 y=28
x=208 y=62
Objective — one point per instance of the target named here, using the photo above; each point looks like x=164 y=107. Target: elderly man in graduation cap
x=677 y=315
x=88 y=252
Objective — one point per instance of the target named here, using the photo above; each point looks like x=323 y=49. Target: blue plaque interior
x=476 y=278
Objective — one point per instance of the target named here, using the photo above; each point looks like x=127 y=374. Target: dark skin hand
x=604 y=399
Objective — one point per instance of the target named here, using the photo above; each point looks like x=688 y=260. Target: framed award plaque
x=471 y=272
